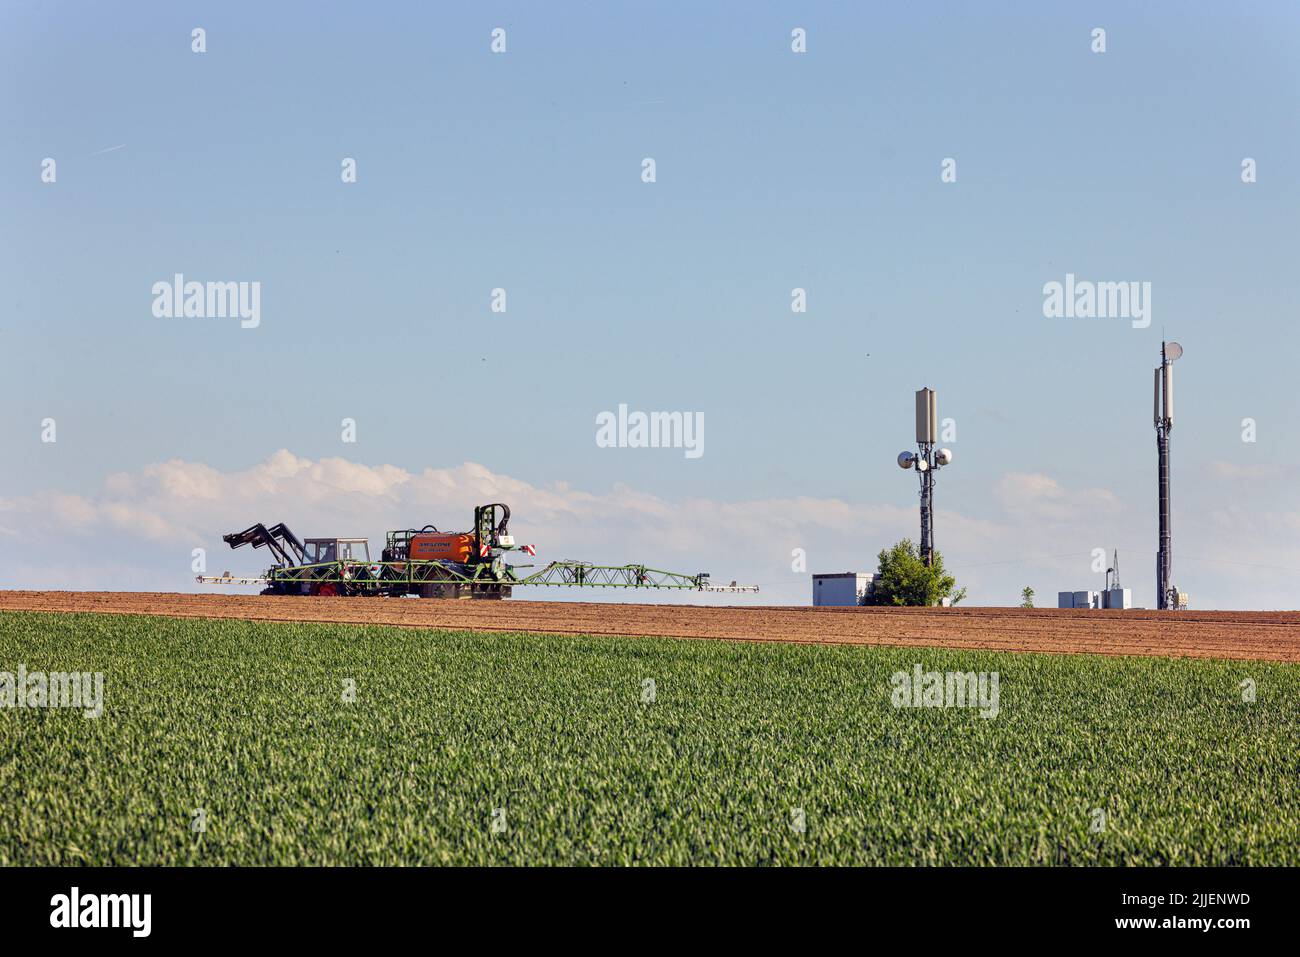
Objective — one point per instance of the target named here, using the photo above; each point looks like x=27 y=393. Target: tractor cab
x=318 y=550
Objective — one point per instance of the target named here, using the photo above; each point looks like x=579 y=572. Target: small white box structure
x=1087 y=599
x=1110 y=598
x=1118 y=598
x=843 y=588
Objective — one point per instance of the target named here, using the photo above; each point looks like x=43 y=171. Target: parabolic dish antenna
x=1172 y=351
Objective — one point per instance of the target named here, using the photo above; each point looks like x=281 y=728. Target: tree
x=906 y=580
x=1026 y=597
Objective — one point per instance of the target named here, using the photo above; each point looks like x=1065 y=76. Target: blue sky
x=775 y=170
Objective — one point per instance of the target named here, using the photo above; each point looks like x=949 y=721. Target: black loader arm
x=284 y=545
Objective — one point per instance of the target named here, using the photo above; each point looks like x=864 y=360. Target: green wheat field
x=232 y=742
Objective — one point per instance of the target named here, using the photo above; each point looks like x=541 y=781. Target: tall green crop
x=229 y=742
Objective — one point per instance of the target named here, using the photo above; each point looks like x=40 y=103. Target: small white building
x=843 y=588
x=1117 y=598
x=1111 y=598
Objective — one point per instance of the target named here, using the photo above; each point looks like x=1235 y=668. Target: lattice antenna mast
x=926 y=462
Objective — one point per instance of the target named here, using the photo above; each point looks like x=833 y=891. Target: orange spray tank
x=430 y=546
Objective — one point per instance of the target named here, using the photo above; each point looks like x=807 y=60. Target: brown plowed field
x=1270 y=636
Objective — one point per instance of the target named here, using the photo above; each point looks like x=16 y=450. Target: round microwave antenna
x=1172 y=351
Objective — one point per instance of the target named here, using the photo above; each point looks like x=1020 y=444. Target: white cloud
x=1045 y=499
x=154 y=517
x=1233 y=471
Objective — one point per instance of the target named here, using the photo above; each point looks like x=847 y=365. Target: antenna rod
x=926 y=420
x=1166 y=594
x=927 y=506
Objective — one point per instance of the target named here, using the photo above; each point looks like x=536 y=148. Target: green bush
x=906 y=580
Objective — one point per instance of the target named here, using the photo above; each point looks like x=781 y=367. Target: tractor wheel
x=327 y=589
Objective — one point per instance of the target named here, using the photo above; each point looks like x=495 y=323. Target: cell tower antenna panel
x=926 y=415
x=1169 y=394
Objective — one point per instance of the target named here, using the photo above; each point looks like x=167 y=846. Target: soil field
x=1267 y=636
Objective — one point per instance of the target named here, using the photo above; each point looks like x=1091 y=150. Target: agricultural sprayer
x=435 y=564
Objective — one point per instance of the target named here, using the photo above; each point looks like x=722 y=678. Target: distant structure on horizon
x=843 y=588
x=1114 y=595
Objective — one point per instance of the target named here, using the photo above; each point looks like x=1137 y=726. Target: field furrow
x=1265 y=636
